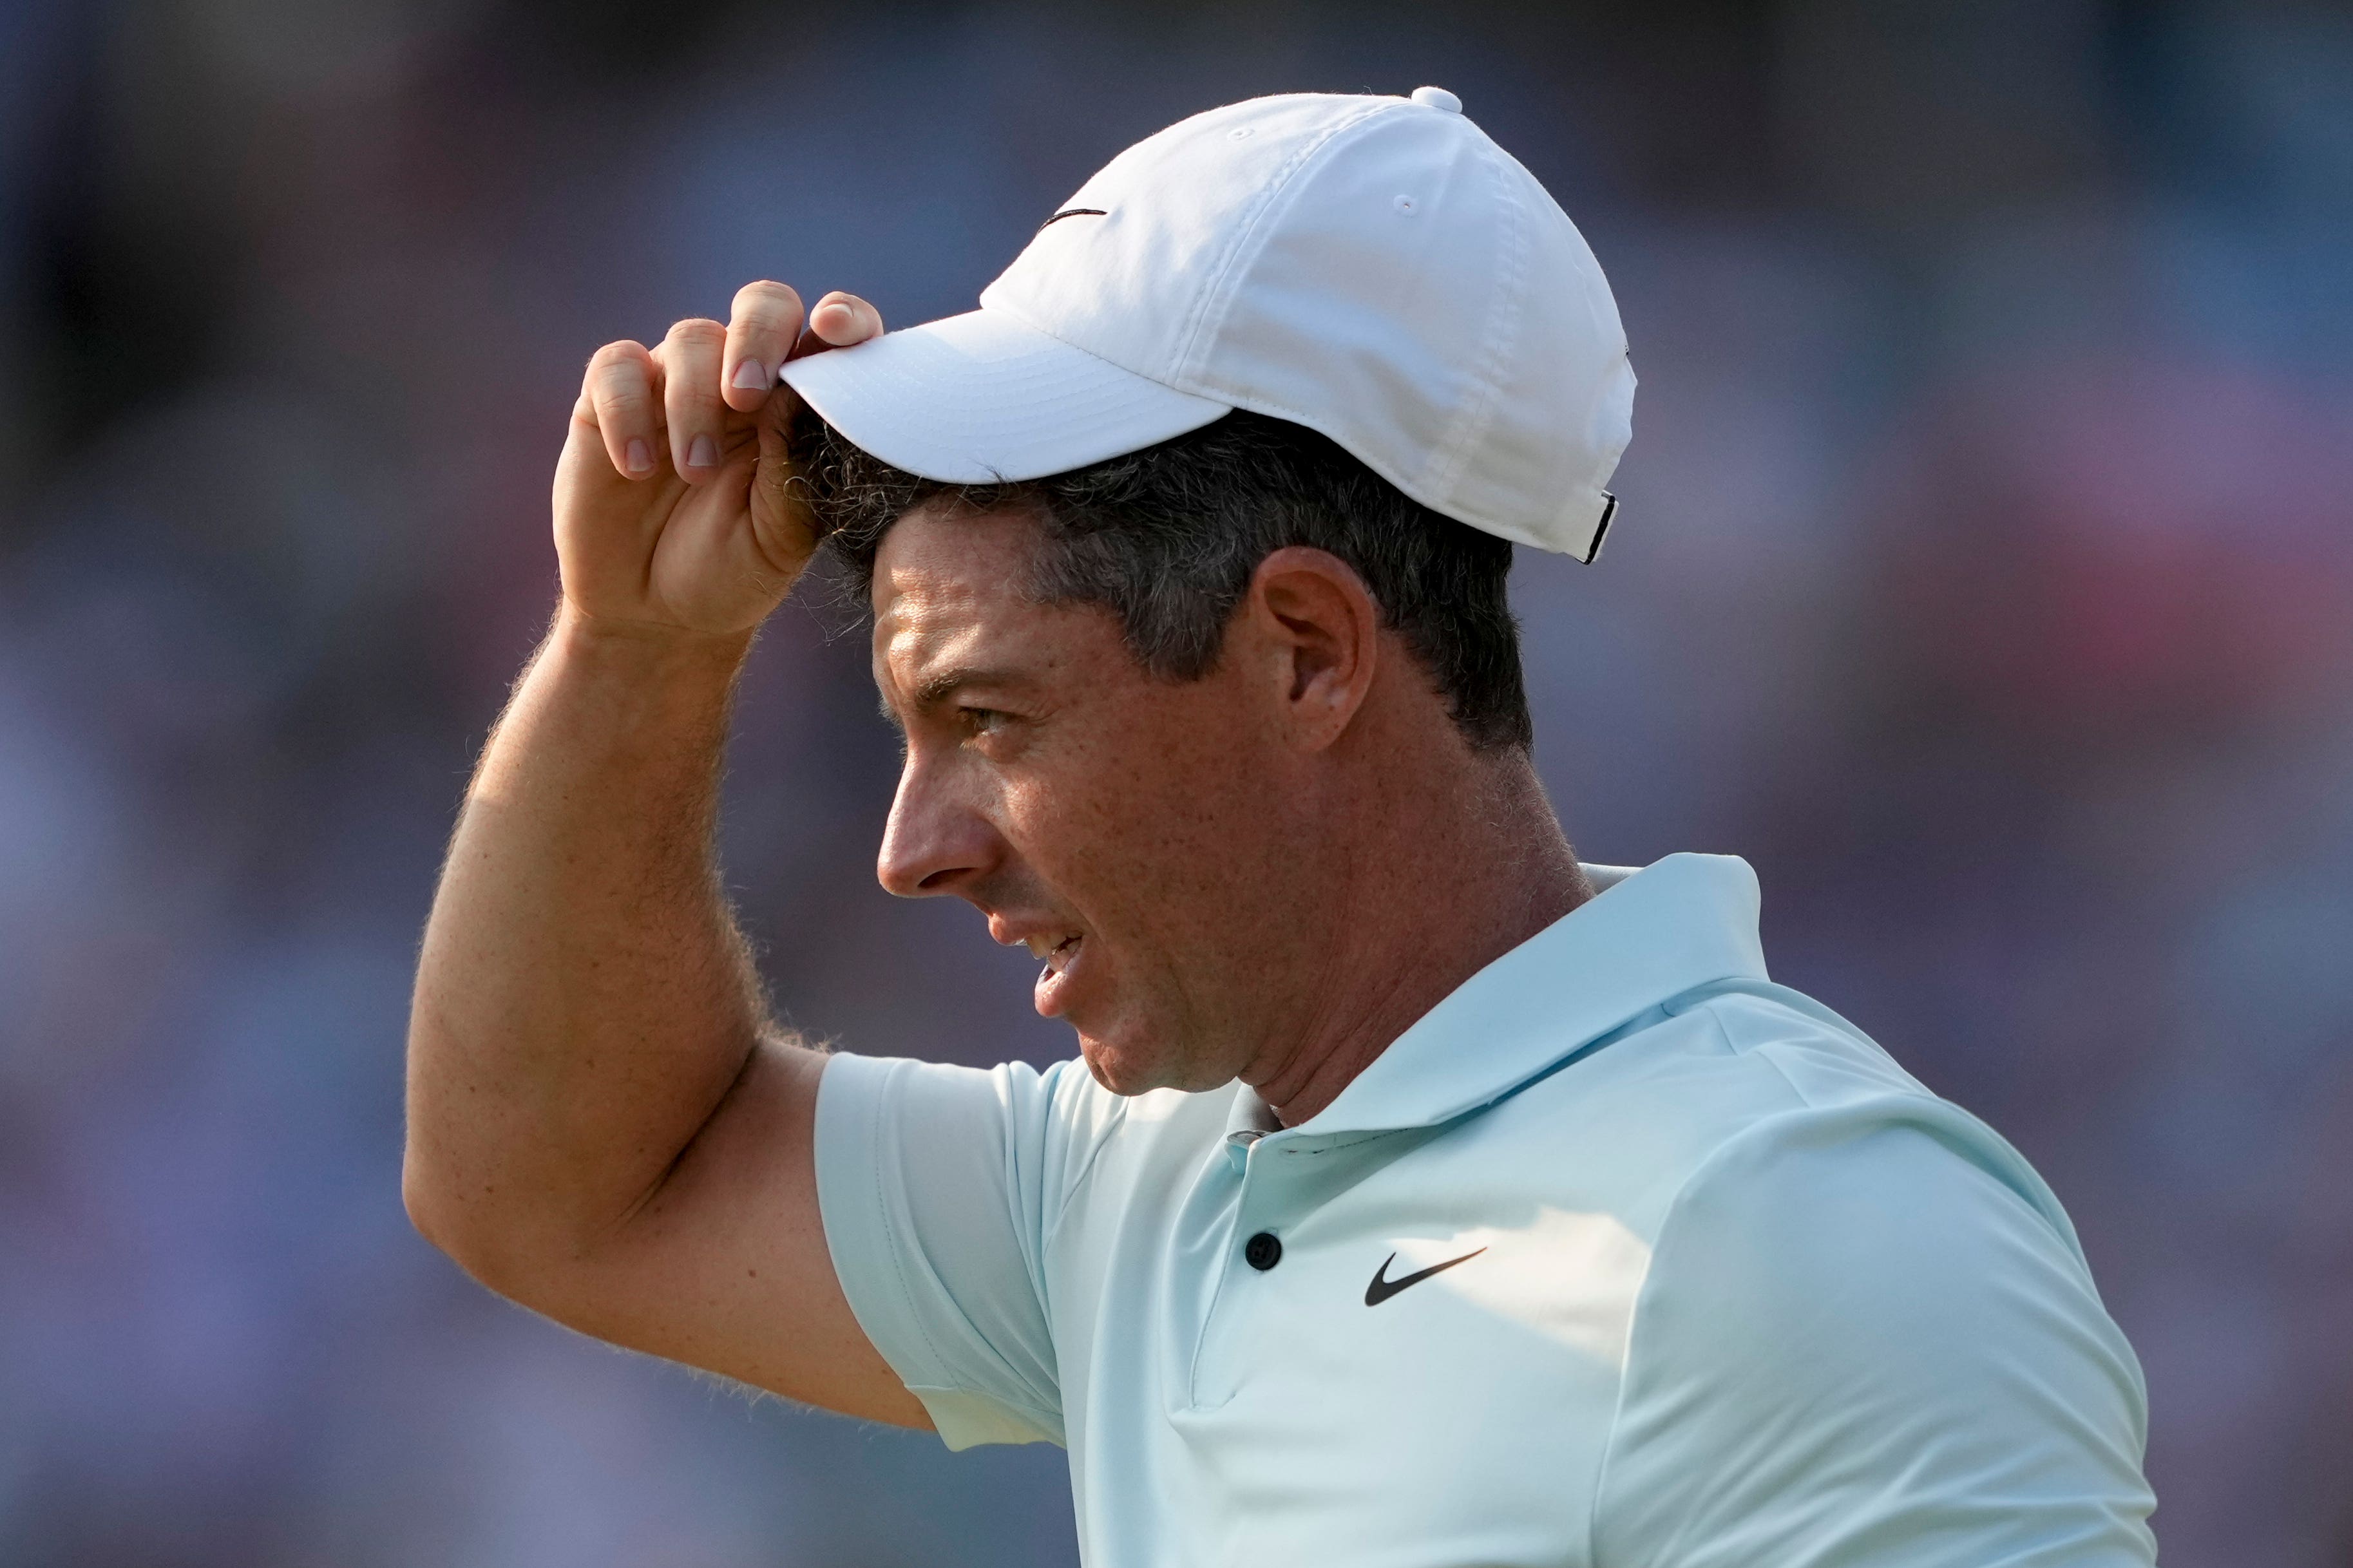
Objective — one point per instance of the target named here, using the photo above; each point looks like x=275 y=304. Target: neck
x=1435 y=883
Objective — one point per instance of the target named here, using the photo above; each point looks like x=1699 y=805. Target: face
x=1140 y=836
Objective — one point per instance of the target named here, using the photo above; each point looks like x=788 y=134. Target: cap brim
x=981 y=399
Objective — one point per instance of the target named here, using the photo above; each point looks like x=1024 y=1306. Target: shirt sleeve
x=936 y=1185
x=1859 y=1345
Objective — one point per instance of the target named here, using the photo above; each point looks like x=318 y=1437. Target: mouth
x=1048 y=944
x=1053 y=981
x=1057 y=947
x=1054 y=950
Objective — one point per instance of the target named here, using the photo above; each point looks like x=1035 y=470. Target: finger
x=765 y=324
x=620 y=397
x=842 y=319
x=836 y=321
x=689 y=360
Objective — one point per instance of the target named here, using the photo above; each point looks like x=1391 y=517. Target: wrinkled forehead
x=949 y=586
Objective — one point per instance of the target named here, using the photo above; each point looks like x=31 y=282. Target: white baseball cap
x=1372 y=267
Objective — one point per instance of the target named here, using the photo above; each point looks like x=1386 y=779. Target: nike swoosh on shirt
x=1383 y=1287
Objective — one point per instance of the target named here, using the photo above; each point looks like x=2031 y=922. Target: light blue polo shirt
x=1622 y=1254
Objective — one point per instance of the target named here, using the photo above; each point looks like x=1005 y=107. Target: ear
x=1319 y=631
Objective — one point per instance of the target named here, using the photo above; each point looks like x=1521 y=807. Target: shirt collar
x=1249 y=1119
x=1652 y=935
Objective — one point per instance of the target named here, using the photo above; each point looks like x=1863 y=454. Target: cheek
x=1150 y=832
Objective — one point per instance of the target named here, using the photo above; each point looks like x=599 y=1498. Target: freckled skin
x=1268 y=865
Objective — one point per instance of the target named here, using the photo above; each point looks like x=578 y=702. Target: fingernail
x=752 y=375
x=703 y=453
x=641 y=457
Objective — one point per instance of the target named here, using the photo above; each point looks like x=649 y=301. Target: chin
x=1118 y=1069
x=1130 y=1066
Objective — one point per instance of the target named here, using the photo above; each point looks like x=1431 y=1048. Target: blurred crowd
x=1984 y=576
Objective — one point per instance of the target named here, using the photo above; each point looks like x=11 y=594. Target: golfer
x=1419 y=1196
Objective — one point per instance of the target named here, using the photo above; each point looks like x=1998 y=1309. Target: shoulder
x=1633 y=1119
x=1785 y=1134
x=1769 y=1154
x=1881 y=1215
x=1835 y=1110
x=1865 y=1305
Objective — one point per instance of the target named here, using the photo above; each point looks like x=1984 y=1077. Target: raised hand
x=672 y=510
x=587 y=1028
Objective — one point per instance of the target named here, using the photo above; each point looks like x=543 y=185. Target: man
x=1419 y=1196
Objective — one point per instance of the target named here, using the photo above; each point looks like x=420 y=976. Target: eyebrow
x=938 y=689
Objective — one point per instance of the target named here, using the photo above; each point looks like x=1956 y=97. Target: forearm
x=583 y=1000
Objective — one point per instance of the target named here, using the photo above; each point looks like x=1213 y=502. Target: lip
x=1051 y=994
x=1060 y=949
x=1039 y=936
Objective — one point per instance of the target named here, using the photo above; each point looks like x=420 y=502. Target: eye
x=983 y=721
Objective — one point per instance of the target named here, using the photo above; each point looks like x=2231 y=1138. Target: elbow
x=427 y=1198
x=462 y=1223
x=503 y=1248
x=466 y=1233
x=453 y=1207
x=424 y=1184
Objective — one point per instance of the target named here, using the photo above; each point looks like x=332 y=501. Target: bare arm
x=603 y=1123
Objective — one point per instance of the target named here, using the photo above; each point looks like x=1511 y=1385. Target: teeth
x=1047 y=947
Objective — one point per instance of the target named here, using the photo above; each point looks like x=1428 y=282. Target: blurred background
x=1984 y=576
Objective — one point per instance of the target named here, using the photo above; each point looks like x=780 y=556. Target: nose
x=934 y=843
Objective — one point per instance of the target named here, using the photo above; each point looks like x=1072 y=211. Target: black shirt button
x=1263 y=1251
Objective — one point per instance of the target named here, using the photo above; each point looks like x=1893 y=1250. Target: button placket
x=1247 y=1270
